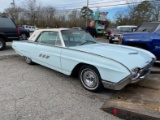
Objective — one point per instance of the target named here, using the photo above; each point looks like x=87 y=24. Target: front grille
x=144 y=72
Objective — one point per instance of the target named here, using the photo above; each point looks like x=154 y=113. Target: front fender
x=109 y=69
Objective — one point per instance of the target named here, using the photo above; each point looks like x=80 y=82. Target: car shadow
x=8 y=47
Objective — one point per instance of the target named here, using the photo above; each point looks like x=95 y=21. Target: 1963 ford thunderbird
x=75 y=52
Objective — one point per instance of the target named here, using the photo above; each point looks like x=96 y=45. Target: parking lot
x=38 y=93
x=34 y=92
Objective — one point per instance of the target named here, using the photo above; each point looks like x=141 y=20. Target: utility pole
x=87 y=12
x=14 y=5
x=14 y=10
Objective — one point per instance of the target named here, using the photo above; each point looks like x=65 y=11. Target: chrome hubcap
x=89 y=79
x=1 y=44
x=28 y=60
x=23 y=37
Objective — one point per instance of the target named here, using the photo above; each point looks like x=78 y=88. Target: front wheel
x=90 y=78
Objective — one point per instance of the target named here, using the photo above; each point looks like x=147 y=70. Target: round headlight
x=135 y=72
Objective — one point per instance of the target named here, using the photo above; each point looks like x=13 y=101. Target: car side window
x=49 y=38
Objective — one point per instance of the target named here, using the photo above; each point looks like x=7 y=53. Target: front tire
x=29 y=61
x=90 y=78
x=2 y=44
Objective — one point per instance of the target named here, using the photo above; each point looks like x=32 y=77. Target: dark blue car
x=24 y=34
x=147 y=36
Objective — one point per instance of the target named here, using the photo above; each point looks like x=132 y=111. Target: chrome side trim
x=84 y=52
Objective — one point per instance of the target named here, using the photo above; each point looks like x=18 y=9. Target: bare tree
x=31 y=11
x=156 y=11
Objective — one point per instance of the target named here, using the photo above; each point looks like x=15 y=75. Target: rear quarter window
x=6 y=23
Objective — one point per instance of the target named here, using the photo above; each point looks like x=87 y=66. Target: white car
x=115 y=36
x=76 y=52
x=30 y=28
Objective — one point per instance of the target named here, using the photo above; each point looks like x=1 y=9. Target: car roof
x=126 y=26
x=37 y=32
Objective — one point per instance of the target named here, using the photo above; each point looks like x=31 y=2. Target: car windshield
x=147 y=27
x=76 y=38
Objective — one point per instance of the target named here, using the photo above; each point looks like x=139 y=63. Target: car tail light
x=18 y=30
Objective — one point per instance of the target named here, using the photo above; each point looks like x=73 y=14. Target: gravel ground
x=38 y=93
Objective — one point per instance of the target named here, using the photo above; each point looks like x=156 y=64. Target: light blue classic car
x=76 y=52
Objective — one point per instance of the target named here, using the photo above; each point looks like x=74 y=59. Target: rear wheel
x=90 y=78
x=29 y=61
x=23 y=37
x=2 y=44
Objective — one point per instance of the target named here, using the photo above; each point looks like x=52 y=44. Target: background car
x=147 y=36
x=8 y=31
x=24 y=34
x=109 y=31
x=76 y=52
x=30 y=28
x=116 y=34
x=77 y=28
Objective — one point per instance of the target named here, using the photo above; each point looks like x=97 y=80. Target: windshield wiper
x=88 y=41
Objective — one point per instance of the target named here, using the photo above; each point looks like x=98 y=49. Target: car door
x=49 y=49
x=156 y=45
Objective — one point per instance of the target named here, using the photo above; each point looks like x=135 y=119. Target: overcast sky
x=106 y=5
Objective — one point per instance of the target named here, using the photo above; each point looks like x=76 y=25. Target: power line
x=70 y=5
x=80 y=2
x=113 y=5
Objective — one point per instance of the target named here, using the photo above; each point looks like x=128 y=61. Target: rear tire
x=29 y=61
x=90 y=78
x=2 y=44
x=23 y=37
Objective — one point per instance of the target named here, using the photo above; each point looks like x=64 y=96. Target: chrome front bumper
x=117 y=86
x=143 y=73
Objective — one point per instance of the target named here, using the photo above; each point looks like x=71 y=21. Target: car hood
x=129 y=57
x=137 y=34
